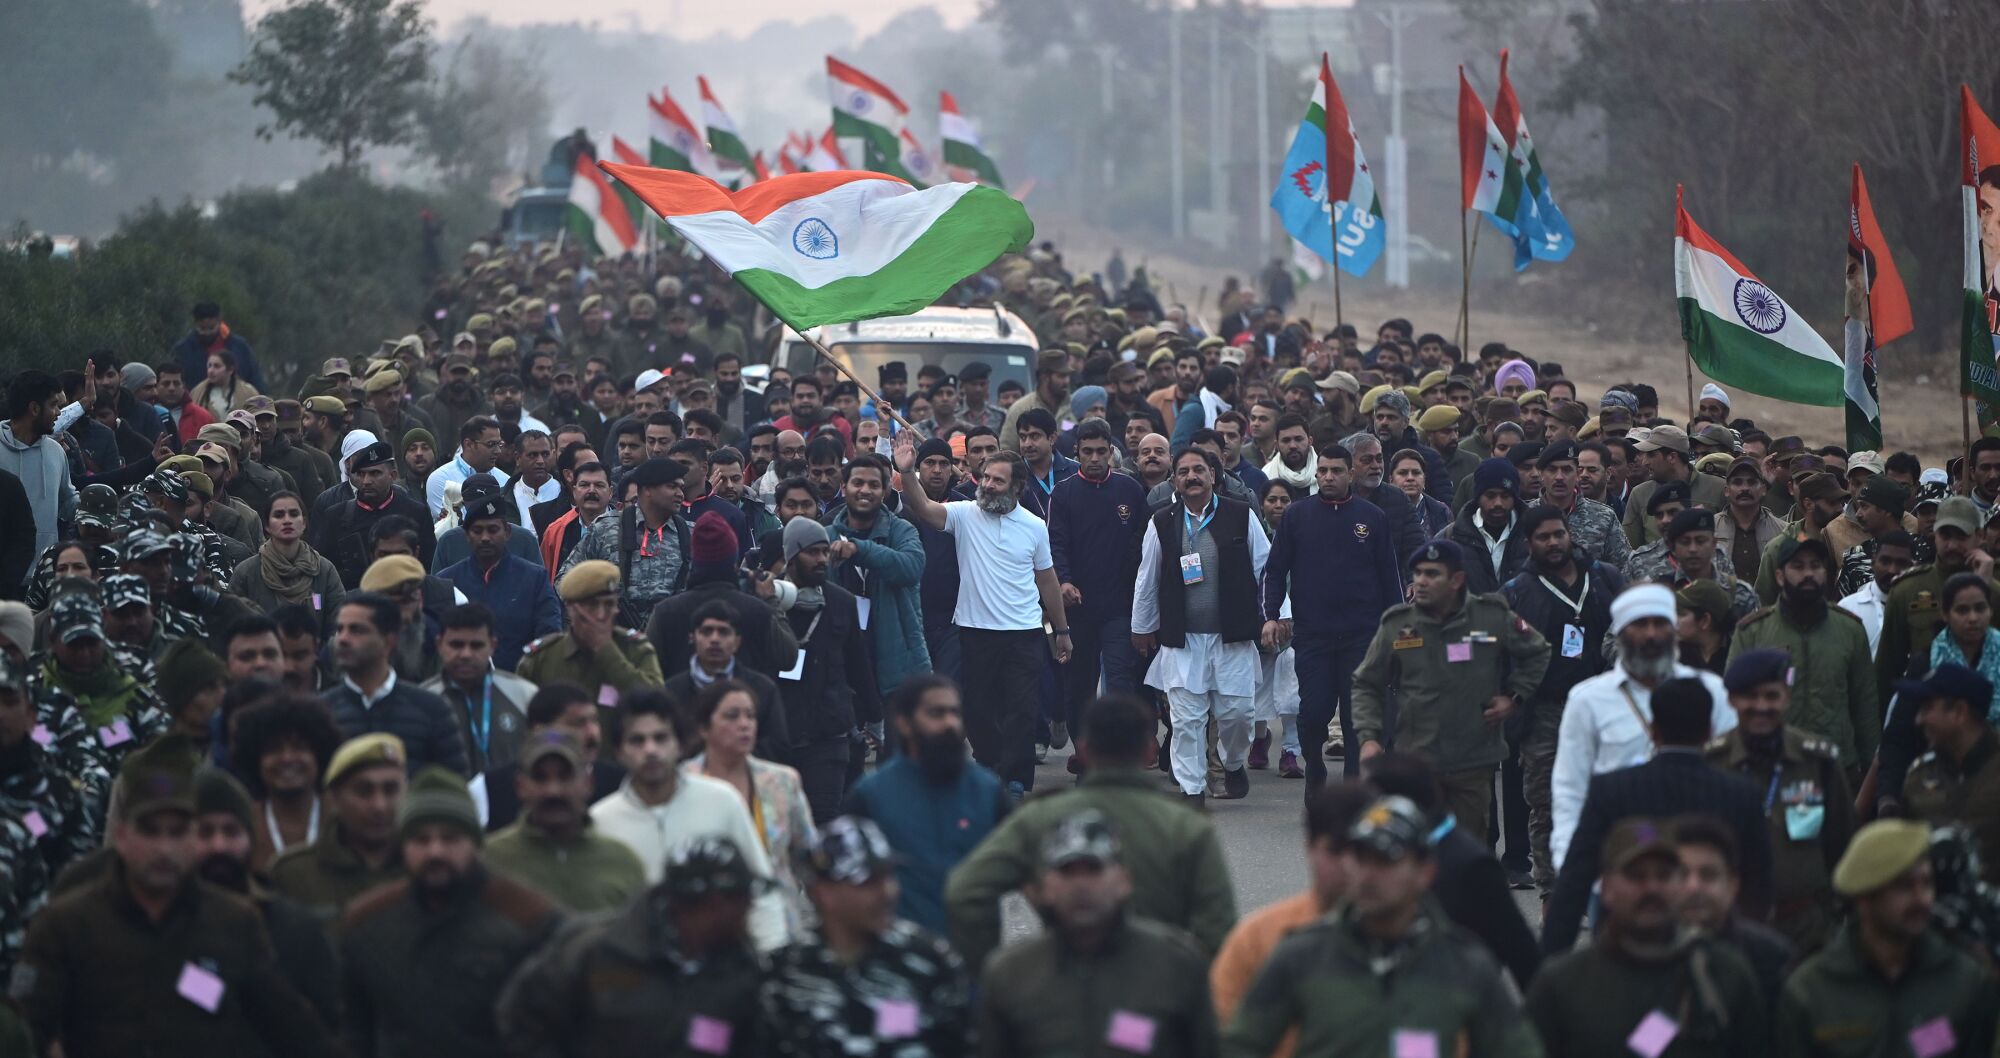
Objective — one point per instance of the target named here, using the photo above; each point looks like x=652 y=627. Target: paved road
x=1263 y=837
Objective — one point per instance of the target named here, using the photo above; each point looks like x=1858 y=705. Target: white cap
x=1934 y=476
x=1713 y=392
x=1641 y=601
x=647 y=380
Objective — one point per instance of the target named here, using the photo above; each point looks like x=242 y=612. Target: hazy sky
x=684 y=18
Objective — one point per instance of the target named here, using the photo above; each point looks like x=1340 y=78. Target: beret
x=1878 y=854
x=587 y=580
x=658 y=471
x=1438 y=417
x=363 y=752
x=1753 y=668
x=391 y=572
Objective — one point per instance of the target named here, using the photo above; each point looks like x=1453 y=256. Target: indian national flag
x=824 y=156
x=757 y=163
x=1740 y=332
x=922 y=164
x=865 y=109
x=787 y=165
x=675 y=142
x=723 y=142
x=819 y=248
x=597 y=216
x=627 y=155
x=964 y=156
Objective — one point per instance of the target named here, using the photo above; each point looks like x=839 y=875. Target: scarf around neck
x=1305 y=479
x=289 y=576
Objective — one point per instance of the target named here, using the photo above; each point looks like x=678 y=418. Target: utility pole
x=1266 y=160
x=1396 y=154
x=1179 y=184
x=1105 y=53
x=1217 y=122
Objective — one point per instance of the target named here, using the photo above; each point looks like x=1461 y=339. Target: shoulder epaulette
x=1845 y=613
x=1921 y=761
x=1399 y=608
x=636 y=636
x=1820 y=747
x=1718 y=742
x=1757 y=615
x=540 y=643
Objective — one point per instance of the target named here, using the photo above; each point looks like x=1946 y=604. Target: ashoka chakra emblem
x=859 y=103
x=1758 y=308
x=815 y=240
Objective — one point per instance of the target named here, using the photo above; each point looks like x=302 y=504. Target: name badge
x=1409 y=642
x=1933 y=1038
x=1191 y=569
x=1572 y=641
x=1132 y=1033
x=200 y=986
x=862 y=607
x=1415 y=1043
x=1457 y=652
x=895 y=1019
x=708 y=1035
x=798 y=670
x=1654 y=1033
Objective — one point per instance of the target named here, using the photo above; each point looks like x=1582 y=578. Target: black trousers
x=1326 y=689
x=1003 y=686
x=823 y=771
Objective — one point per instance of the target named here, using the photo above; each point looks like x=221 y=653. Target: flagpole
x=1464 y=282
x=1333 y=226
x=873 y=397
x=1690 y=373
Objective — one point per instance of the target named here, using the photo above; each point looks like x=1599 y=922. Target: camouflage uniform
x=117 y=714
x=656 y=569
x=1594 y=527
x=43 y=826
x=1655 y=562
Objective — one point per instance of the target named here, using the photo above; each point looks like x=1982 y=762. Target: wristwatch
x=1060 y=632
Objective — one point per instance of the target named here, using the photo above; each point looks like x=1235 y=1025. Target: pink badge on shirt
x=36 y=825
x=607 y=696
x=201 y=987
x=895 y=1019
x=1416 y=1043
x=117 y=733
x=41 y=735
x=707 y=1035
x=1933 y=1038
x=1655 y=1032
x=1131 y=1032
x=1457 y=652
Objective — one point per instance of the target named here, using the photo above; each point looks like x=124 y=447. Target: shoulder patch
x=540 y=643
x=635 y=636
x=1820 y=747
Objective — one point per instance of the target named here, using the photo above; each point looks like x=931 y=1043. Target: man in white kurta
x=1205 y=677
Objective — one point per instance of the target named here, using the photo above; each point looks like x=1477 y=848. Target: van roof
x=995 y=325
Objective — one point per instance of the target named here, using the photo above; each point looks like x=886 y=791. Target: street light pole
x=1178 y=181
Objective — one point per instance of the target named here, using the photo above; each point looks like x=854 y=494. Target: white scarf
x=1305 y=478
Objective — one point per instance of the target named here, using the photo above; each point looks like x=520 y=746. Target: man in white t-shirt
x=1007 y=588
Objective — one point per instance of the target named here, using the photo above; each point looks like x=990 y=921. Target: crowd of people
x=570 y=677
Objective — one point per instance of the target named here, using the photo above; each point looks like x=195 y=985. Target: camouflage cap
x=1086 y=835
x=1392 y=827
x=76 y=613
x=144 y=543
x=707 y=866
x=168 y=483
x=126 y=589
x=97 y=506
x=850 y=850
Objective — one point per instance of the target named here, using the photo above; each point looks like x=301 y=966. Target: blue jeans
x=1326 y=689
x=1101 y=647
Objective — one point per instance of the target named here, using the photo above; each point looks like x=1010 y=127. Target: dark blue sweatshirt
x=1095 y=529
x=1339 y=565
x=1034 y=496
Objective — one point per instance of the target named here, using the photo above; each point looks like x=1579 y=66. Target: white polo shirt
x=998 y=557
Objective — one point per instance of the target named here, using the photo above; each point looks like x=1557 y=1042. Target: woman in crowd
x=68 y=558
x=1707 y=623
x=1408 y=473
x=724 y=716
x=222 y=392
x=1968 y=638
x=286 y=571
x=1273 y=501
x=280 y=749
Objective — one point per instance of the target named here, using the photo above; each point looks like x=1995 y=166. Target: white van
x=948 y=337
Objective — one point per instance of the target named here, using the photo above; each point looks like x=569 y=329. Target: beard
x=941 y=756
x=1649 y=666
x=789 y=469
x=1002 y=503
x=226 y=872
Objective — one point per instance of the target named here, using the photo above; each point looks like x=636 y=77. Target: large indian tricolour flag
x=1740 y=332
x=819 y=248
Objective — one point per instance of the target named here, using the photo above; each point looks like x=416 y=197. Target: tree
x=347 y=73
x=489 y=114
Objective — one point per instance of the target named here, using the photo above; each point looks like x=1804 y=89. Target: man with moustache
x=1744 y=528
x=1592 y=526
x=1833 y=694
x=1641 y=981
x=342 y=536
x=1149 y=461
x=1399 y=517
x=552 y=847
x=424 y=958
x=934 y=804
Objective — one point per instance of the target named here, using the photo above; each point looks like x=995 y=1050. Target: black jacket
x=768 y=644
x=836 y=690
x=774 y=738
x=1677 y=782
x=424 y=721
x=1533 y=603
x=343 y=535
x=1401 y=519
x=1479 y=573
x=1472 y=888
x=17 y=537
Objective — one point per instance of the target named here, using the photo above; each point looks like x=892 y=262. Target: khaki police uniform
x=1809 y=810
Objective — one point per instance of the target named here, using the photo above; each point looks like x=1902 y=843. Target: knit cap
x=712 y=541
x=1496 y=474
x=184 y=670
x=438 y=795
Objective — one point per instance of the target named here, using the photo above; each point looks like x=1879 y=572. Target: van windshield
x=865 y=359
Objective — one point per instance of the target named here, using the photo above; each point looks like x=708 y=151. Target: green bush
x=327 y=269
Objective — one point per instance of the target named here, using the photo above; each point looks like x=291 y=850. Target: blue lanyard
x=1049 y=486
x=484 y=729
x=1771 y=795
x=1187 y=521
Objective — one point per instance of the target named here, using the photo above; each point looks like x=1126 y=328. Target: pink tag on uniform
x=1932 y=1038
x=895 y=1019
x=117 y=734
x=1653 y=1035
x=1416 y=1043
x=1457 y=652
x=607 y=696
x=36 y=825
x=1131 y=1032
x=200 y=987
x=41 y=735
x=316 y=603
x=709 y=1036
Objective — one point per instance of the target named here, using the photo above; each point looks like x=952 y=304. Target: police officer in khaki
x=356 y=848
x=1887 y=983
x=1459 y=664
x=597 y=653
x=1807 y=802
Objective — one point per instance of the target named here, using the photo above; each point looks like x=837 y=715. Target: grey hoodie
x=44 y=473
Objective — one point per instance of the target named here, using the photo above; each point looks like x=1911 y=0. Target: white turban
x=1713 y=392
x=355 y=441
x=1641 y=601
